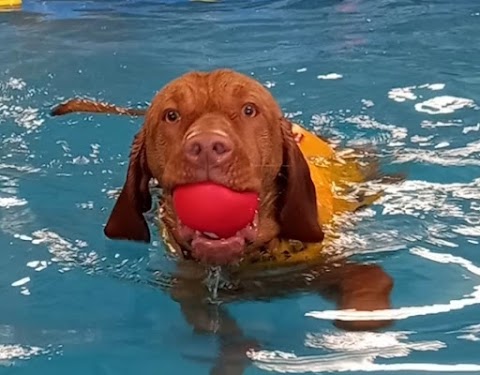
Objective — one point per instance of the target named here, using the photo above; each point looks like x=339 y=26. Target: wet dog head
x=226 y=128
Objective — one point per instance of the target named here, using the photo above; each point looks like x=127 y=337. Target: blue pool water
x=401 y=74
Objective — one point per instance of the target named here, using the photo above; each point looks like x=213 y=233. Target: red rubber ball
x=209 y=207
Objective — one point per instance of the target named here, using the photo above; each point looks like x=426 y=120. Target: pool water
x=399 y=74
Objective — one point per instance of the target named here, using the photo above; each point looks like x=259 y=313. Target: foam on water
x=330 y=76
x=438 y=105
x=10 y=353
x=444 y=104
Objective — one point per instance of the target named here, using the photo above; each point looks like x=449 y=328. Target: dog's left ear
x=126 y=221
x=298 y=203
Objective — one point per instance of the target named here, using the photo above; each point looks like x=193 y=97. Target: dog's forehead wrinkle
x=185 y=93
x=221 y=90
x=235 y=84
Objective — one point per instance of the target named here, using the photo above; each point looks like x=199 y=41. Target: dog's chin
x=211 y=250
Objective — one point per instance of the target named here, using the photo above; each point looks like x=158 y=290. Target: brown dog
x=227 y=128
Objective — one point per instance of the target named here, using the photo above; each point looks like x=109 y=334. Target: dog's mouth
x=210 y=249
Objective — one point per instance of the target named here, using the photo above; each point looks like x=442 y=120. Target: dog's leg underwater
x=209 y=318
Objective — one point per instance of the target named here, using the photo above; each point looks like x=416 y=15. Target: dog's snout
x=208 y=149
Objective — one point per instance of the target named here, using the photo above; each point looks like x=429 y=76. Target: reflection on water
x=357 y=352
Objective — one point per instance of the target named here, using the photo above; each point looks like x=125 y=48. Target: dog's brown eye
x=171 y=116
x=249 y=110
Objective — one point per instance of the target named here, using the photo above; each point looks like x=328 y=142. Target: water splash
x=10 y=353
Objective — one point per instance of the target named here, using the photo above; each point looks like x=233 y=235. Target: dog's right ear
x=298 y=213
x=126 y=222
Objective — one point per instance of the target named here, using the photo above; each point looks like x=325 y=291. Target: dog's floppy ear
x=126 y=222
x=298 y=204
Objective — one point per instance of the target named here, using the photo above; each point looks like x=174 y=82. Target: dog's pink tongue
x=218 y=252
